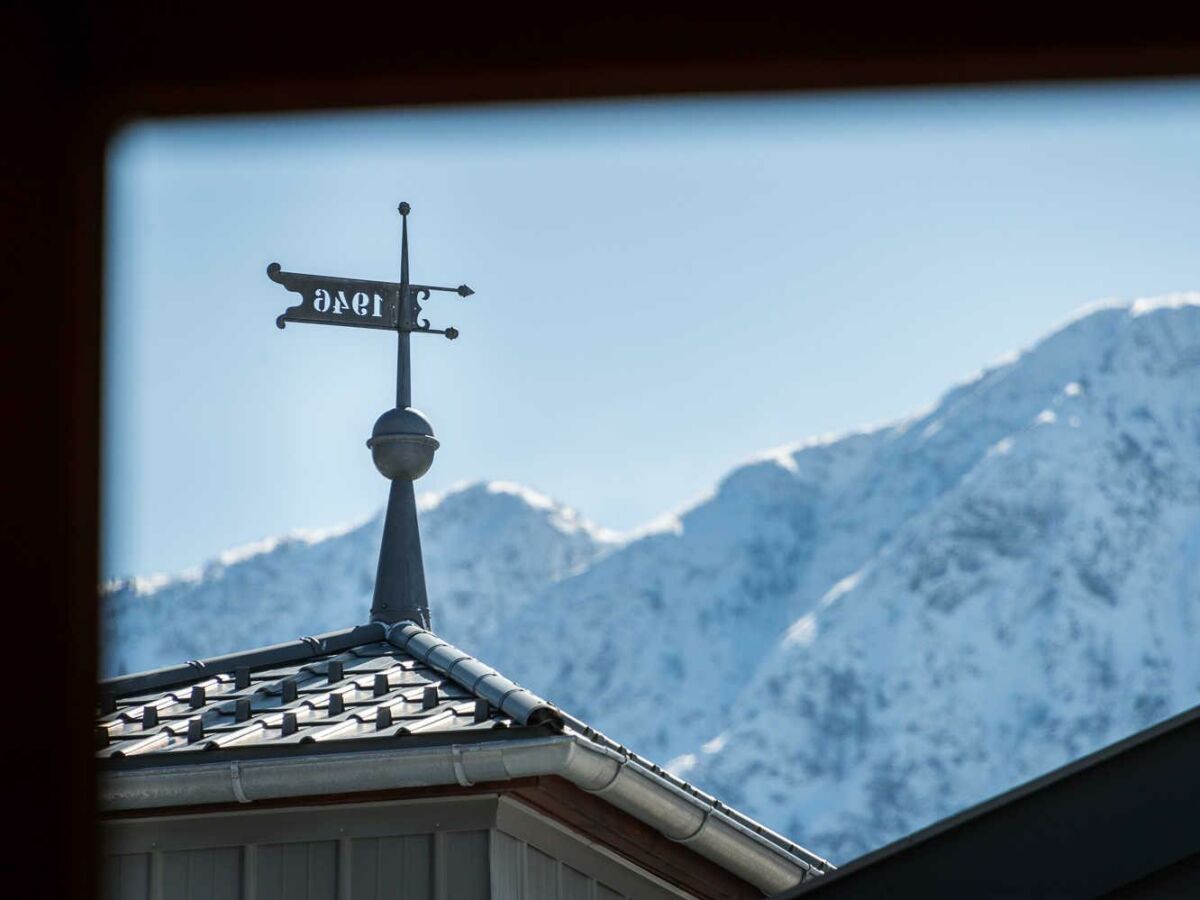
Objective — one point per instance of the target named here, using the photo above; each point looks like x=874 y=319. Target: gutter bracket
x=699 y=828
x=460 y=772
x=601 y=791
x=235 y=778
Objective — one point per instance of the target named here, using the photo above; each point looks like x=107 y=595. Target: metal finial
x=404 y=208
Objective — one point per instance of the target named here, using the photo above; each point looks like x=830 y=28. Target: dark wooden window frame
x=77 y=76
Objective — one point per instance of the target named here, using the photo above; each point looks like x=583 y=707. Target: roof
x=376 y=707
x=1117 y=822
x=348 y=686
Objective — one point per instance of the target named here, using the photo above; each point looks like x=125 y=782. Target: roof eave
x=621 y=781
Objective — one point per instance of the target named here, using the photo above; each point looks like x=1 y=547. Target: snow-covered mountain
x=850 y=637
x=1043 y=599
x=488 y=548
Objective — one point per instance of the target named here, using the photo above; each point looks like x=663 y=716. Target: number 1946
x=361 y=304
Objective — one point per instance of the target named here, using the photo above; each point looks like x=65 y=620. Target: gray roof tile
x=395 y=682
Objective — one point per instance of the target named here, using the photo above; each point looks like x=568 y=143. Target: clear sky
x=664 y=288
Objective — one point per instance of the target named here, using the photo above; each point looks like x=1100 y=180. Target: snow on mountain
x=1043 y=605
x=488 y=548
x=856 y=637
x=851 y=637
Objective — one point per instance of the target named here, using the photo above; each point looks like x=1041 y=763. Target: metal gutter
x=744 y=822
x=706 y=827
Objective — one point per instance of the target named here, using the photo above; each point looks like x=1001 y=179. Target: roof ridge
x=275 y=654
x=521 y=704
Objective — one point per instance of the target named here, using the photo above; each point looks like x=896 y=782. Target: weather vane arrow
x=402 y=442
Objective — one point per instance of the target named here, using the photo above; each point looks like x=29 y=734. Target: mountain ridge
x=488 y=546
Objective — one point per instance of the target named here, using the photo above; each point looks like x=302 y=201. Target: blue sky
x=664 y=287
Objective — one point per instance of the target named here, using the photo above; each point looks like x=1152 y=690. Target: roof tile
x=413 y=683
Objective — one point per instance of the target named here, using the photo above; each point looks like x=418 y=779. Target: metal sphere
x=405 y=209
x=402 y=444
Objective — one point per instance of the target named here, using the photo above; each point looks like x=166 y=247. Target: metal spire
x=403 y=361
x=406 y=437
x=402 y=442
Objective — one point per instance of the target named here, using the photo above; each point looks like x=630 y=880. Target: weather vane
x=402 y=442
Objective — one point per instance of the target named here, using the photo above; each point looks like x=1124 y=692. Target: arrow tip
x=464 y=291
x=404 y=209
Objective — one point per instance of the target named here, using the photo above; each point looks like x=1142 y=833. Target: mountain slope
x=1045 y=606
x=737 y=569
x=861 y=636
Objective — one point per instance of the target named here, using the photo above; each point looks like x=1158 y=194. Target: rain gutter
x=621 y=780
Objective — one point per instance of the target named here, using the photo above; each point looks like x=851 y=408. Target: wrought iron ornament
x=355 y=303
x=402 y=443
